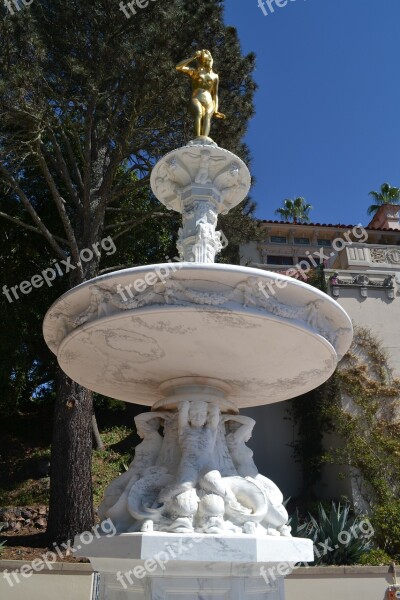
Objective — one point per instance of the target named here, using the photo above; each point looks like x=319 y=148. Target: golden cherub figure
x=204 y=102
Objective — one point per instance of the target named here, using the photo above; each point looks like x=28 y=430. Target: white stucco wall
x=380 y=314
x=270 y=443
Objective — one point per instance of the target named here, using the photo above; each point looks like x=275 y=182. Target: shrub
x=338 y=537
x=375 y=558
x=386 y=521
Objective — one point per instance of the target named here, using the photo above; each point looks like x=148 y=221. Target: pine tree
x=89 y=100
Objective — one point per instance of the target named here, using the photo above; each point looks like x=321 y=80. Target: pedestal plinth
x=157 y=566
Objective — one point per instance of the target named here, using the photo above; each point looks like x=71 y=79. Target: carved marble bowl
x=257 y=336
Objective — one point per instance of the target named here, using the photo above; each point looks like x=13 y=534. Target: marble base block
x=165 y=566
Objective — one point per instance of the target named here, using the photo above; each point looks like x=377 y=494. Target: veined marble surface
x=201 y=548
x=193 y=320
x=169 y=566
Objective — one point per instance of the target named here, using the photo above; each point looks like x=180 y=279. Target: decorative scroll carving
x=385 y=255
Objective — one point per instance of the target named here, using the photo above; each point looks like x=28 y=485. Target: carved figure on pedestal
x=231 y=185
x=239 y=430
x=179 y=513
x=202 y=174
x=197 y=431
x=198 y=424
x=210 y=517
x=174 y=482
x=142 y=501
x=166 y=184
x=114 y=504
x=207 y=160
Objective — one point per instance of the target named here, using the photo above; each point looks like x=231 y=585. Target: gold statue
x=204 y=103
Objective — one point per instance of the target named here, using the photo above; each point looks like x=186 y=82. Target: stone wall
x=66 y=581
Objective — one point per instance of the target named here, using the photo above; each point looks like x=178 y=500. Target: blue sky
x=327 y=124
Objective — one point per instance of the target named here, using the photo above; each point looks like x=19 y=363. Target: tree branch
x=31 y=228
x=64 y=173
x=60 y=204
x=72 y=159
x=127 y=189
x=32 y=212
x=104 y=190
x=87 y=152
x=115 y=268
x=137 y=221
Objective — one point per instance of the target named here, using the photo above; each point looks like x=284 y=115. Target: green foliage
x=336 y=535
x=312 y=408
x=370 y=429
x=300 y=527
x=386 y=521
x=295 y=210
x=2 y=544
x=316 y=278
x=24 y=440
x=375 y=558
x=77 y=73
x=360 y=402
x=109 y=463
x=386 y=195
x=26 y=363
x=25 y=493
x=368 y=426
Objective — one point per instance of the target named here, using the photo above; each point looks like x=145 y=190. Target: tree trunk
x=71 y=498
x=97 y=441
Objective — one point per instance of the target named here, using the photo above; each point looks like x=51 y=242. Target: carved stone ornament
x=249 y=293
x=200 y=181
x=198 y=476
x=385 y=255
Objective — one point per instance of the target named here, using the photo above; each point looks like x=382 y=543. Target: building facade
x=362 y=270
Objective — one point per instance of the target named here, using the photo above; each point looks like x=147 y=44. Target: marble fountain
x=196 y=341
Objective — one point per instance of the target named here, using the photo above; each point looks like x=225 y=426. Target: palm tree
x=387 y=195
x=295 y=210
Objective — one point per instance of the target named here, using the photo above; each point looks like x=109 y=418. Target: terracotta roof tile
x=337 y=226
